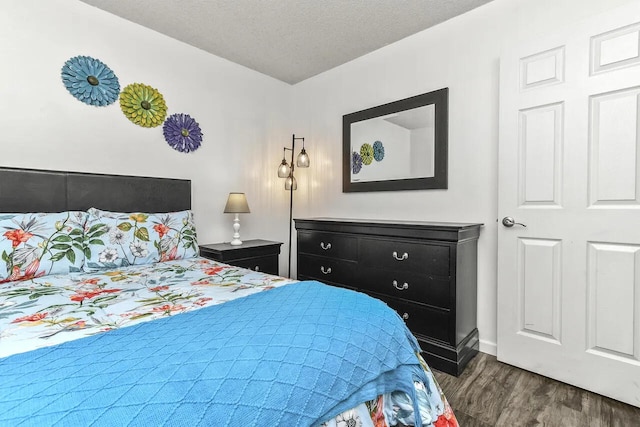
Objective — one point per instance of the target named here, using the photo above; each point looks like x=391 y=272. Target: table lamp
x=236 y=204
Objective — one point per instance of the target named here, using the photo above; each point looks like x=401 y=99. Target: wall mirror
x=401 y=145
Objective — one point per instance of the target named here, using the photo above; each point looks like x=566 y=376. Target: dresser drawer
x=422 y=320
x=326 y=269
x=328 y=244
x=430 y=259
x=265 y=264
x=421 y=288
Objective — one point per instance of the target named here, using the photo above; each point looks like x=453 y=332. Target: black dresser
x=426 y=271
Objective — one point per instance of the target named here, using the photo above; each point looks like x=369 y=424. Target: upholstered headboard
x=31 y=190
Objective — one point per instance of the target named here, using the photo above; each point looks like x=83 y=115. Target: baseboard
x=488 y=347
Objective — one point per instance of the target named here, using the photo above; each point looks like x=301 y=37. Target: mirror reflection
x=395 y=146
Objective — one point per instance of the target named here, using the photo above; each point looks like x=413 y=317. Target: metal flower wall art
x=143 y=105
x=366 y=156
x=356 y=162
x=182 y=133
x=366 y=152
x=90 y=81
x=378 y=151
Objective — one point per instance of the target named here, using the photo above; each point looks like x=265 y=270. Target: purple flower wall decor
x=356 y=163
x=90 y=81
x=182 y=133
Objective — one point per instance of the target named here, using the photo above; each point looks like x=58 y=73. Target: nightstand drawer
x=420 y=288
x=327 y=244
x=422 y=320
x=266 y=264
x=400 y=255
x=326 y=269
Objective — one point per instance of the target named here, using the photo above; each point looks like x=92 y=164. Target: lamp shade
x=303 y=159
x=284 y=170
x=237 y=203
x=290 y=183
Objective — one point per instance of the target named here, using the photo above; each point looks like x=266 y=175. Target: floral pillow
x=39 y=244
x=116 y=239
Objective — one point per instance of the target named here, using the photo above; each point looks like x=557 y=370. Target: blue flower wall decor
x=378 y=151
x=90 y=81
x=356 y=163
x=182 y=133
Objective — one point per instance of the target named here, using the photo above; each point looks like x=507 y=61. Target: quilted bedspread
x=291 y=356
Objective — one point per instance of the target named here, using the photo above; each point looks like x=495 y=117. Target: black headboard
x=31 y=190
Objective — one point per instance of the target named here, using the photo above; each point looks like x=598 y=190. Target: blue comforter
x=291 y=356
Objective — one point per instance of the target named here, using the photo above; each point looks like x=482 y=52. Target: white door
x=569 y=159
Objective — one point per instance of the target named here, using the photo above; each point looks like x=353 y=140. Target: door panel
x=569 y=170
x=614 y=300
x=613 y=125
x=539 y=286
x=615 y=49
x=540 y=145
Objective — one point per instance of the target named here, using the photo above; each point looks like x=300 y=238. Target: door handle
x=508 y=221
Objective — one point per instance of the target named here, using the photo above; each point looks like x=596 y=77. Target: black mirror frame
x=440 y=99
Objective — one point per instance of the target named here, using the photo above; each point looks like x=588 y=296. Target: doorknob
x=508 y=221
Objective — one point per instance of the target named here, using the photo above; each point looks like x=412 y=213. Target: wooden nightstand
x=258 y=255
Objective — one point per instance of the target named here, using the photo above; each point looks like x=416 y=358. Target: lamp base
x=236 y=232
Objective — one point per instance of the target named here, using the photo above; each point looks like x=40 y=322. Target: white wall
x=243 y=114
x=463 y=55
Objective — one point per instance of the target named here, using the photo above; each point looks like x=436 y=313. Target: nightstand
x=258 y=255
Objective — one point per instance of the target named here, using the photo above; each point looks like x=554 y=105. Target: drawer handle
x=402 y=258
x=325 y=247
x=405 y=316
x=327 y=271
x=400 y=288
x=256 y=268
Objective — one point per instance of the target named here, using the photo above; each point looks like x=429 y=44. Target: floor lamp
x=290 y=184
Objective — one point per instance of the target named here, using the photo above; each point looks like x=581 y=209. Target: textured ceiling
x=290 y=40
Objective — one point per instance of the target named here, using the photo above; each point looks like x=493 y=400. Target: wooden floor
x=490 y=393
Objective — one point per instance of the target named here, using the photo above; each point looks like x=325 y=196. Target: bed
x=108 y=316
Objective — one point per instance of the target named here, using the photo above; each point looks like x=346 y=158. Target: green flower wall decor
x=366 y=152
x=143 y=105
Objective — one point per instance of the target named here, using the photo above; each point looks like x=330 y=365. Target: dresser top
x=446 y=231
x=388 y=222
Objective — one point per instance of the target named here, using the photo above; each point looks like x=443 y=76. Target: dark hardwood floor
x=490 y=393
